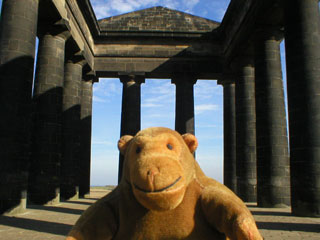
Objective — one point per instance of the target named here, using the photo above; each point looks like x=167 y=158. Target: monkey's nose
x=151 y=175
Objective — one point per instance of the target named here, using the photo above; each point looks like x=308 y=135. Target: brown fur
x=164 y=194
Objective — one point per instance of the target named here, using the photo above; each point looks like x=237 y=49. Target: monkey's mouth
x=158 y=190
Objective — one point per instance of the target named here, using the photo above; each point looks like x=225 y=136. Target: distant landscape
x=107 y=187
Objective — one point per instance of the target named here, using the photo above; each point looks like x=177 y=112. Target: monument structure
x=46 y=115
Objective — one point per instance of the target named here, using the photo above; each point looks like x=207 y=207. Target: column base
x=54 y=201
x=305 y=210
x=73 y=195
x=20 y=208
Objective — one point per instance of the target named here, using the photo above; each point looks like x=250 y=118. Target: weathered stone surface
x=273 y=188
x=131 y=109
x=184 y=120
x=302 y=35
x=85 y=135
x=158 y=19
x=229 y=139
x=18 y=28
x=44 y=181
x=246 y=129
x=54 y=222
x=71 y=128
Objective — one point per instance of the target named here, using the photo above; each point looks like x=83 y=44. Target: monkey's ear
x=191 y=141
x=123 y=143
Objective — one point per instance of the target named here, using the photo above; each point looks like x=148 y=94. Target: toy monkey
x=163 y=194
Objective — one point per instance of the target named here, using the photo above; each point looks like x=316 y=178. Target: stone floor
x=54 y=222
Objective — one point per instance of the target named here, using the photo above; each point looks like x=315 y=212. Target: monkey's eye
x=169 y=146
x=138 y=150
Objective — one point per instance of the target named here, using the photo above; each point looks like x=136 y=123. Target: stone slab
x=54 y=222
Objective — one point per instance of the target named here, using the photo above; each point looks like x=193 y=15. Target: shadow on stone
x=271 y=213
x=56 y=209
x=36 y=225
x=80 y=202
x=284 y=226
x=95 y=199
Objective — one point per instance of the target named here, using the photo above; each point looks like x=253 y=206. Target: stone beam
x=203 y=68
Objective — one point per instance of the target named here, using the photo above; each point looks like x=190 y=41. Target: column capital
x=183 y=79
x=76 y=58
x=89 y=74
x=227 y=79
x=268 y=32
x=241 y=61
x=90 y=78
x=60 y=28
x=137 y=79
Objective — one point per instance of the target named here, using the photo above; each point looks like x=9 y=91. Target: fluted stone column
x=85 y=135
x=229 y=139
x=44 y=184
x=71 y=128
x=184 y=121
x=273 y=174
x=131 y=108
x=302 y=38
x=18 y=28
x=246 y=130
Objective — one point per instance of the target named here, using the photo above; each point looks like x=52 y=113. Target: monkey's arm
x=227 y=213
x=97 y=222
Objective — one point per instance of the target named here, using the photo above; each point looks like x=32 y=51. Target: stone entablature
x=76 y=21
x=241 y=20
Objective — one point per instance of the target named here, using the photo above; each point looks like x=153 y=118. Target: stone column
x=131 y=108
x=85 y=133
x=229 y=139
x=302 y=38
x=246 y=130
x=184 y=122
x=273 y=175
x=18 y=28
x=44 y=183
x=71 y=127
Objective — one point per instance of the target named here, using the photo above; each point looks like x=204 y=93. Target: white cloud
x=102 y=11
x=150 y=105
x=102 y=142
x=207 y=126
x=107 y=87
x=201 y=108
x=107 y=8
x=170 y=4
x=122 y=6
x=99 y=99
x=157 y=93
x=191 y=3
x=206 y=89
